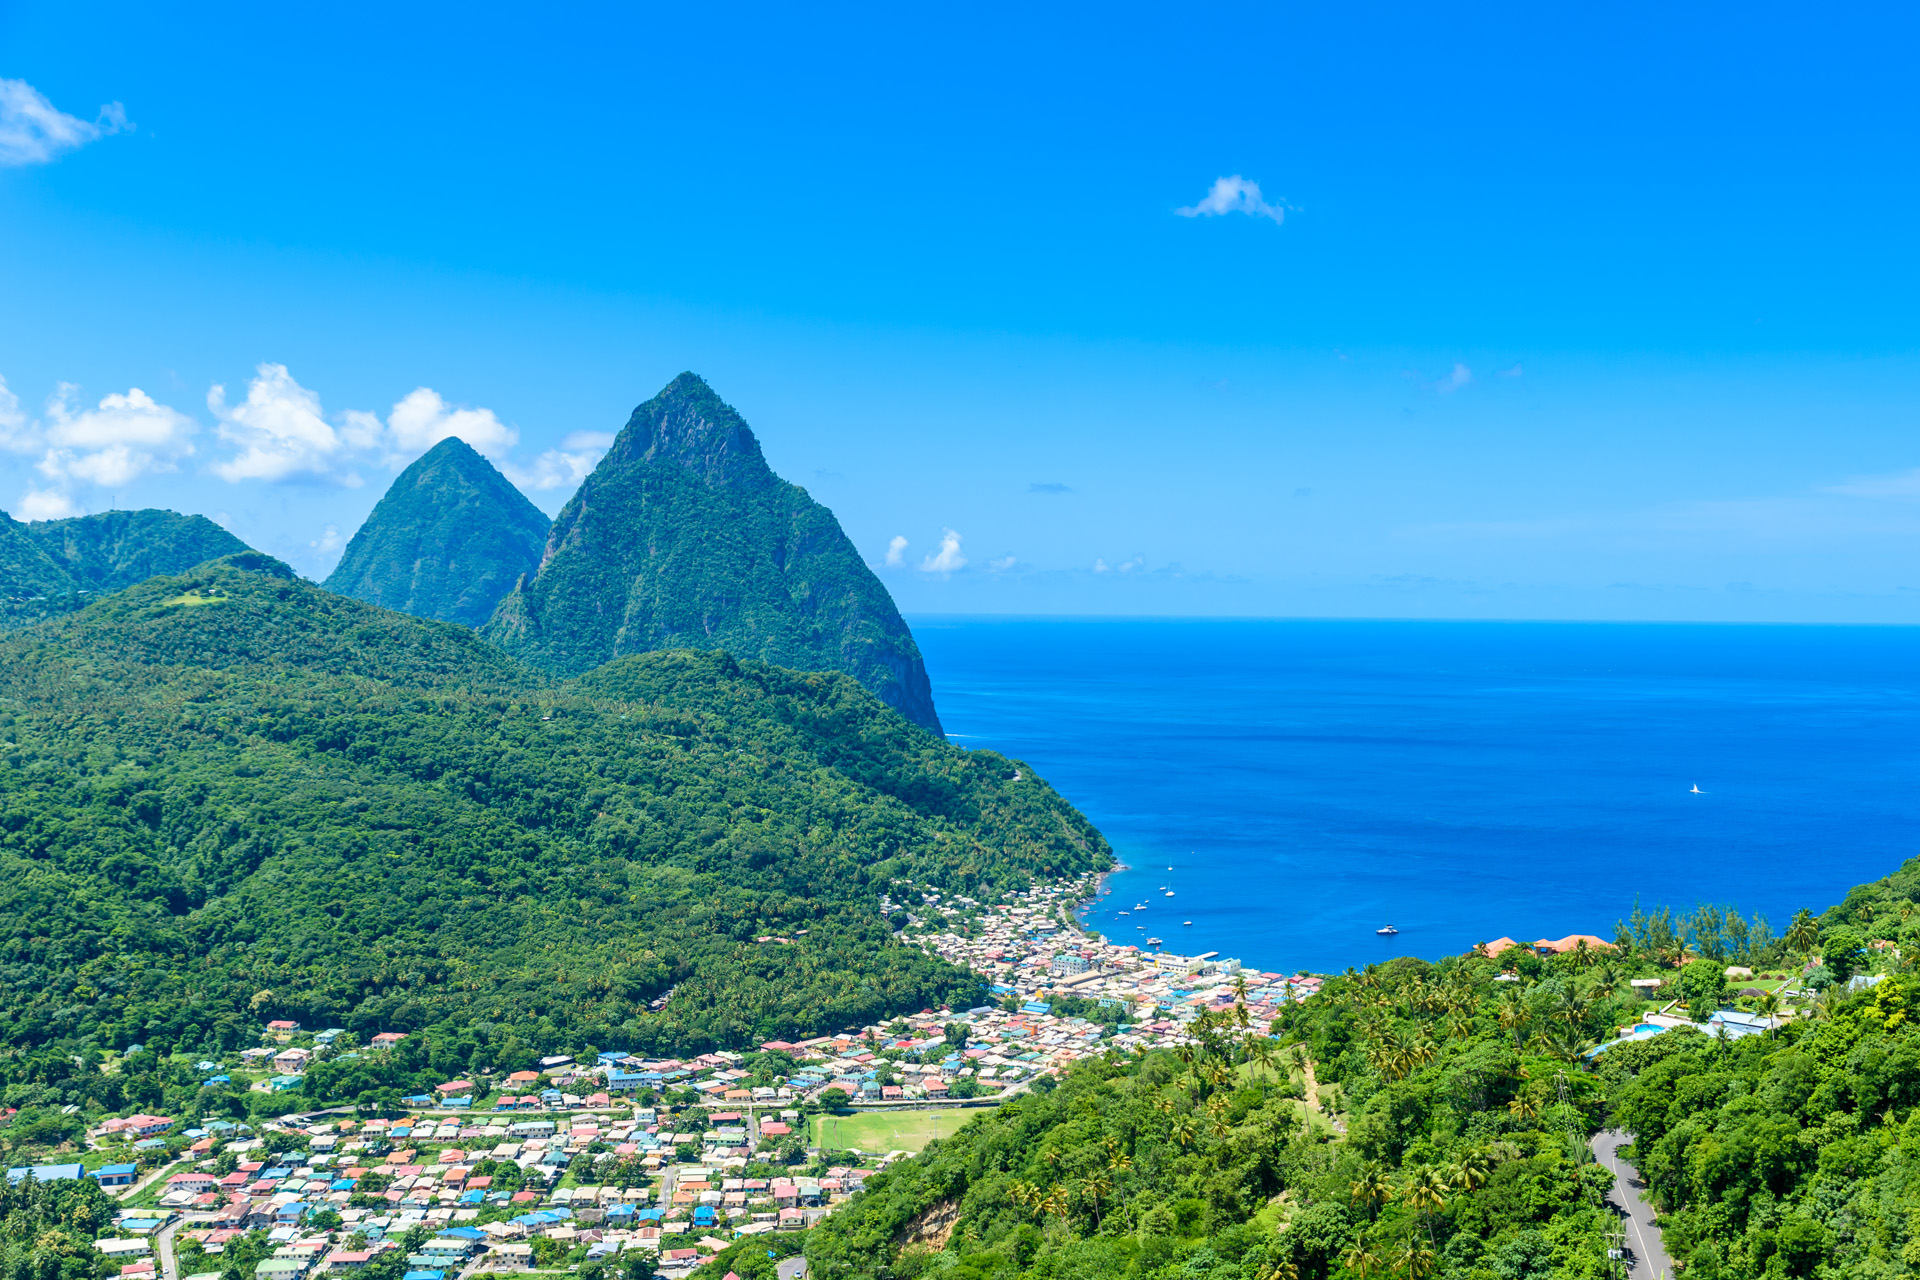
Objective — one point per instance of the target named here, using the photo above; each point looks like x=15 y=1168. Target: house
x=124 y=1250
x=143 y=1125
x=282 y=1030
x=291 y=1062
x=388 y=1039
x=119 y=1175
x=283 y=1084
x=347 y=1259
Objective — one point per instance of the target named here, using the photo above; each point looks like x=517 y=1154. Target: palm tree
x=1769 y=1004
x=1371 y=1189
x=1416 y=1259
x=1426 y=1191
x=1804 y=935
x=1514 y=1017
x=1473 y=1171
x=1183 y=1131
x=1524 y=1107
x=1279 y=1269
x=1262 y=1053
x=1360 y=1260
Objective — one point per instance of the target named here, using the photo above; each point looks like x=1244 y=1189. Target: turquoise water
x=1299 y=785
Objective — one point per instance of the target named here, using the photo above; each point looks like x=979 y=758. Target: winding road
x=1648 y=1258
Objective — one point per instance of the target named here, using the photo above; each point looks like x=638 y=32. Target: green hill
x=683 y=537
x=229 y=795
x=449 y=539
x=52 y=567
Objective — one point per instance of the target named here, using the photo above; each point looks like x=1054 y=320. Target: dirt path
x=1313 y=1097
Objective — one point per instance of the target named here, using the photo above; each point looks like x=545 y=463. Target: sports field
x=886 y=1130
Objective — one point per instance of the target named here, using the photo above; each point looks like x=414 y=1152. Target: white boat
x=1153 y=942
x=1389 y=931
x=1696 y=790
x=1125 y=913
x=1186 y=922
x=1169 y=893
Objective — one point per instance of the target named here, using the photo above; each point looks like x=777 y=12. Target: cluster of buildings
x=491 y=1168
x=1033 y=954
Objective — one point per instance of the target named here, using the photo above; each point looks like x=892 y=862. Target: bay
x=1299 y=784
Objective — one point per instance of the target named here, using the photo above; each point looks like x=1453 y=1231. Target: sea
x=1280 y=790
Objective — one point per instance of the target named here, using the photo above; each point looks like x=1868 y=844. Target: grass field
x=886 y=1130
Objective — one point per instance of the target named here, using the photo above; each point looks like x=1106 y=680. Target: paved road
x=169 y=1268
x=128 y=1193
x=1649 y=1260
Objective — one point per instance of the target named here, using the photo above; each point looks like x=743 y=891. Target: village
x=580 y=1162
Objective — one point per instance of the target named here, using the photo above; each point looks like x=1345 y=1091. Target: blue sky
x=1598 y=314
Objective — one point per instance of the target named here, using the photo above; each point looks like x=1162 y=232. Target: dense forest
x=51 y=567
x=228 y=796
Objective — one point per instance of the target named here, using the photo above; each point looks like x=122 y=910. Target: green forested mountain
x=229 y=795
x=683 y=537
x=55 y=566
x=449 y=539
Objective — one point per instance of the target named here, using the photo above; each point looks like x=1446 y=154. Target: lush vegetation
x=229 y=796
x=47 y=1229
x=683 y=537
x=1463 y=1154
x=449 y=539
x=51 y=567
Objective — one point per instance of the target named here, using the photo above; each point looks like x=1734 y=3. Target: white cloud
x=1001 y=565
x=1101 y=566
x=422 y=420
x=1235 y=195
x=948 y=558
x=16 y=434
x=34 y=131
x=563 y=467
x=123 y=438
x=329 y=540
x=897 y=551
x=1452 y=382
x=279 y=429
x=46 y=504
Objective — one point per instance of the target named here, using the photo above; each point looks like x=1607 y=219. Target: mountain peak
x=688 y=425
x=684 y=538
x=450 y=538
x=50 y=567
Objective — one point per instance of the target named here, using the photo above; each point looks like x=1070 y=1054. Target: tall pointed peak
x=684 y=538
x=690 y=425
x=451 y=536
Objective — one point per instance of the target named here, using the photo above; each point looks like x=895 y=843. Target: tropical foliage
x=230 y=796
x=1449 y=1138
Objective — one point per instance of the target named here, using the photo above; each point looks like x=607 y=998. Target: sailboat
x=1696 y=790
x=1387 y=932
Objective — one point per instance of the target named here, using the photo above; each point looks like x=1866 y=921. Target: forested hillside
x=231 y=796
x=683 y=537
x=52 y=567
x=450 y=537
x=1462 y=1155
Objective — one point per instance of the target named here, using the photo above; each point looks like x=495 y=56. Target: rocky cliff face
x=449 y=539
x=683 y=537
x=52 y=567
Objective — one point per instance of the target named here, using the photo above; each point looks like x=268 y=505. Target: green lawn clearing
x=885 y=1130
